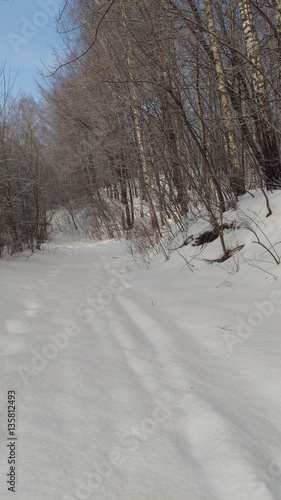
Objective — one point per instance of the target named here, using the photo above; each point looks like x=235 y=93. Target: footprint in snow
x=15 y=326
x=31 y=308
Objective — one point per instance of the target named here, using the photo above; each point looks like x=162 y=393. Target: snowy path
x=128 y=386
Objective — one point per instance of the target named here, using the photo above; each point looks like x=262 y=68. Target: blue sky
x=27 y=32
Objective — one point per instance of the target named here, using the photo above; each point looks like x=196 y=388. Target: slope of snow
x=145 y=384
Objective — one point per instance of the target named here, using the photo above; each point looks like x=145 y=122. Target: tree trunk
x=138 y=131
x=270 y=164
x=237 y=180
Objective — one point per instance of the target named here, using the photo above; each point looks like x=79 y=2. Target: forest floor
x=135 y=383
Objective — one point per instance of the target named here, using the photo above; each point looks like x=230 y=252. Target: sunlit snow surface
x=145 y=384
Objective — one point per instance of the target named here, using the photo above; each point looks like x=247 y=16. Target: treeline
x=157 y=107
x=26 y=180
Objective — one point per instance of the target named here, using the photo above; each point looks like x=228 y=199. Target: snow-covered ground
x=144 y=384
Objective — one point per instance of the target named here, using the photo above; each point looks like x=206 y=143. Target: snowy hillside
x=145 y=384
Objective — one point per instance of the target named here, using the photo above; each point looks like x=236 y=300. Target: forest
x=155 y=109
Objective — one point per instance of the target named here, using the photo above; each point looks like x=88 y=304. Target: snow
x=145 y=384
